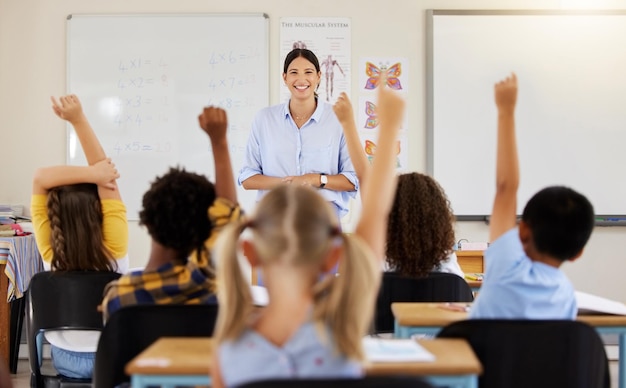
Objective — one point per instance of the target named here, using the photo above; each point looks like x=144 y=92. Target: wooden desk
x=429 y=318
x=471 y=261
x=455 y=364
x=474 y=285
x=185 y=361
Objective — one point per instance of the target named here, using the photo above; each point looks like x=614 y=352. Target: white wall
x=33 y=66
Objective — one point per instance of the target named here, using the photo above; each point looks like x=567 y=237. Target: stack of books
x=7 y=215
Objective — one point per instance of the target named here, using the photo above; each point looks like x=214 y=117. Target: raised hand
x=105 y=174
x=390 y=108
x=214 y=122
x=68 y=108
x=343 y=109
x=506 y=94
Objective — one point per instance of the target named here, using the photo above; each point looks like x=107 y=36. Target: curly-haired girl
x=420 y=228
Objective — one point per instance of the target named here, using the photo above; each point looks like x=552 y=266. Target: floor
x=22 y=378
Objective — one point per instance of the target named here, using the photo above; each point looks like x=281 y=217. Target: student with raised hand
x=80 y=224
x=80 y=204
x=522 y=277
x=420 y=230
x=184 y=213
x=314 y=322
x=345 y=114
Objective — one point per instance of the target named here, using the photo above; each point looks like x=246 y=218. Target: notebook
x=395 y=350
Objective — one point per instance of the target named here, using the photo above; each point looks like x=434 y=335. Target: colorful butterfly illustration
x=370 y=150
x=391 y=75
x=372 y=119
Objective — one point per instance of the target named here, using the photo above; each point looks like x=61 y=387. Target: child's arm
x=345 y=115
x=102 y=174
x=503 y=214
x=70 y=109
x=214 y=122
x=378 y=189
x=216 y=375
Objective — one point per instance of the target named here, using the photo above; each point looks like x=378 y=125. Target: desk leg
x=621 y=362
x=17 y=320
x=5 y=318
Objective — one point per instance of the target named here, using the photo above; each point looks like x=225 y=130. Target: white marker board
x=570 y=116
x=143 y=80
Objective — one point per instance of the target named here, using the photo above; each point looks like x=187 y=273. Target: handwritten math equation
x=134 y=147
x=146 y=90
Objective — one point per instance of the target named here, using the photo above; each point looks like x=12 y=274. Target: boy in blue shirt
x=522 y=277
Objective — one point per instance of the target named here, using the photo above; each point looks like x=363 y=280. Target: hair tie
x=334 y=231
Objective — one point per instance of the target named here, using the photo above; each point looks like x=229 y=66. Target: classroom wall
x=33 y=67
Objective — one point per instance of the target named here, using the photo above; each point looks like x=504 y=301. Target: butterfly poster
x=368 y=142
x=367 y=115
x=383 y=72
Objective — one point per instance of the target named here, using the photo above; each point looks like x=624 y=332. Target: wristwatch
x=323 y=180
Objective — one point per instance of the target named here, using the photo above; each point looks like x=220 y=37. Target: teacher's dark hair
x=306 y=54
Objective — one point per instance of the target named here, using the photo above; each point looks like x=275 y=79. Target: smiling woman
x=300 y=141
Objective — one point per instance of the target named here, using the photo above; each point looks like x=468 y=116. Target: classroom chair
x=436 y=287
x=535 y=353
x=365 y=382
x=132 y=329
x=62 y=301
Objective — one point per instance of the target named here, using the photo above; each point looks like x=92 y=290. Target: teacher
x=300 y=141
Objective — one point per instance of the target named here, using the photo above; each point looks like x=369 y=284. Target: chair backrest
x=132 y=329
x=61 y=300
x=365 y=382
x=436 y=287
x=535 y=353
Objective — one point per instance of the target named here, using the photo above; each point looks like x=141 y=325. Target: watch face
x=324 y=179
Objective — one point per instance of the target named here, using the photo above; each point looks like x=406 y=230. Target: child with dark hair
x=78 y=214
x=80 y=224
x=420 y=231
x=522 y=278
x=183 y=213
x=420 y=228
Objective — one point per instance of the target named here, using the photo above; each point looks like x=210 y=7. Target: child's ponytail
x=57 y=237
x=345 y=303
x=233 y=290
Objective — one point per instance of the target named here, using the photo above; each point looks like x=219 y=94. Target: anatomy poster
x=329 y=39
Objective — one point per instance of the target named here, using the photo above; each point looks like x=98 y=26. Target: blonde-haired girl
x=314 y=322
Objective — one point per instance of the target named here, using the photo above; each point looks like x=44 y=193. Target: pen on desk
x=456 y=307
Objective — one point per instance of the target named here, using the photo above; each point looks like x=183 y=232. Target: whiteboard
x=570 y=116
x=144 y=79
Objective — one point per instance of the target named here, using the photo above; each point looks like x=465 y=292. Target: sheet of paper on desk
x=592 y=304
x=395 y=350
